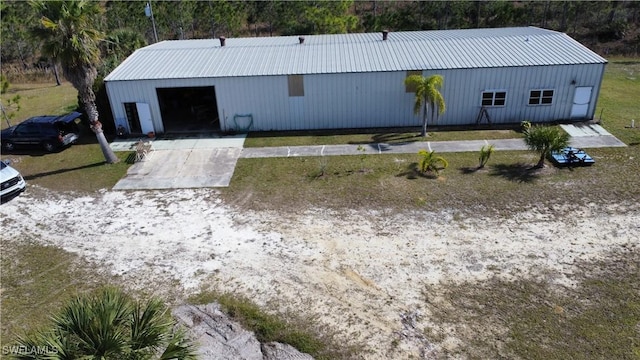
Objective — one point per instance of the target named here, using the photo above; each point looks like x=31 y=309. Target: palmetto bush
x=485 y=153
x=109 y=325
x=544 y=140
x=431 y=163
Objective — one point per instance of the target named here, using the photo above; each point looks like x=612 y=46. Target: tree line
x=609 y=27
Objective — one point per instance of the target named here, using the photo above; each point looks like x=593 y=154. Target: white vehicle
x=12 y=182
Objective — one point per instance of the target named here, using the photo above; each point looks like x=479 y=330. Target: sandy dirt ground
x=362 y=273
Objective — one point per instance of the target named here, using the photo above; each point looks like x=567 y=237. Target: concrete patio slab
x=182 y=168
x=580 y=130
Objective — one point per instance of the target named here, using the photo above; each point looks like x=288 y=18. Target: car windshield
x=2 y=165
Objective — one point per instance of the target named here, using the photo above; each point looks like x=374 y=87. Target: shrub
x=485 y=154
x=544 y=140
x=429 y=162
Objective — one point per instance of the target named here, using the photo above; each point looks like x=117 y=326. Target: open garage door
x=189 y=109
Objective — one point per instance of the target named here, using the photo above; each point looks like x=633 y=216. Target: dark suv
x=47 y=132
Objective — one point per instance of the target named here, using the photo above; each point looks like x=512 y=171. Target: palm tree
x=544 y=140
x=429 y=162
x=427 y=94
x=123 y=42
x=68 y=35
x=485 y=153
x=116 y=47
x=110 y=325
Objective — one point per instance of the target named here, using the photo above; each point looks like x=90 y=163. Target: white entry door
x=144 y=115
x=581 y=101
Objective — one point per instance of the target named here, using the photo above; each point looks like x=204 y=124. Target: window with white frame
x=541 y=97
x=494 y=98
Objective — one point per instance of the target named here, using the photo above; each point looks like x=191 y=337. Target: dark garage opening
x=189 y=109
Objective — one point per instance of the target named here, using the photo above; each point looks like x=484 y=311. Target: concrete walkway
x=582 y=142
x=211 y=161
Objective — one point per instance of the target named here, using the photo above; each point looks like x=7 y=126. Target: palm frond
x=149 y=324
x=49 y=345
x=179 y=347
x=427 y=94
x=97 y=322
x=67 y=31
x=417 y=82
x=429 y=162
x=434 y=83
x=109 y=325
x=544 y=140
x=485 y=153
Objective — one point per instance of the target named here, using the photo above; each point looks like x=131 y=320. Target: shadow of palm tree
x=26 y=151
x=468 y=170
x=518 y=172
x=393 y=138
x=61 y=171
x=411 y=172
x=396 y=138
x=32 y=88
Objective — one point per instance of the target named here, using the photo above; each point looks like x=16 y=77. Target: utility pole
x=149 y=12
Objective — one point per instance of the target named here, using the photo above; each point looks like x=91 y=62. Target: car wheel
x=48 y=146
x=8 y=146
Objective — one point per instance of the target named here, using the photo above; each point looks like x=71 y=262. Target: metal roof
x=347 y=53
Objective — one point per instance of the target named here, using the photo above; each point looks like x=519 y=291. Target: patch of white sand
x=359 y=272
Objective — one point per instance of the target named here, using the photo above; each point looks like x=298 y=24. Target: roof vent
x=385 y=34
x=222 y=40
x=301 y=39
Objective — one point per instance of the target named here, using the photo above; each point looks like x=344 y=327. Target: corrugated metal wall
x=360 y=100
x=463 y=88
x=365 y=100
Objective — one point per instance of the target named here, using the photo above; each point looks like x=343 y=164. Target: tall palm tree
x=68 y=35
x=427 y=94
x=544 y=140
x=110 y=325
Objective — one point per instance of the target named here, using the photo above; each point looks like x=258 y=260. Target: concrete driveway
x=182 y=163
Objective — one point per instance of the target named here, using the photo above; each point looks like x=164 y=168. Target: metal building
x=353 y=80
